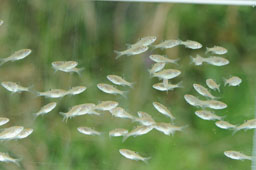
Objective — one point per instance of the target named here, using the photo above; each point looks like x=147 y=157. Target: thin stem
x=209 y=2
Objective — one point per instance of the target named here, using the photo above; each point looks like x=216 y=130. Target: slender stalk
x=209 y=2
x=254 y=144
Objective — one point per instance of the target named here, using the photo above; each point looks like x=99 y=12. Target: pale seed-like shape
x=194 y=101
x=4 y=157
x=216 y=61
x=167 y=44
x=88 y=131
x=163 y=87
x=3 y=121
x=46 y=109
x=138 y=131
x=24 y=133
x=225 y=125
x=168 y=128
x=233 y=81
x=17 y=55
x=145 y=41
x=129 y=154
x=76 y=90
x=14 y=87
x=217 y=50
x=107 y=88
x=64 y=66
x=163 y=109
x=53 y=93
x=135 y=50
x=207 y=115
x=117 y=80
x=203 y=91
x=191 y=44
x=198 y=60
x=106 y=105
x=162 y=59
x=237 y=155
x=167 y=74
x=156 y=67
x=212 y=84
x=214 y=104
x=118 y=132
x=11 y=132
x=120 y=113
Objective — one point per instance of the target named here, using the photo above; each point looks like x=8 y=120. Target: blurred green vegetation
x=88 y=32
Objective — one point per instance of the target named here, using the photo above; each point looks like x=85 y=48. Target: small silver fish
x=216 y=61
x=163 y=87
x=11 y=132
x=117 y=80
x=156 y=67
x=14 y=87
x=121 y=113
x=64 y=66
x=167 y=74
x=237 y=155
x=1 y=22
x=118 y=132
x=145 y=119
x=17 y=55
x=216 y=50
x=106 y=105
x=162 y=59
x=46 y=109
x=212 y=84
x=191 y=44
x=249 y=124
x=233 y=81
x=24 y=133
x=74 y=111
x=145 y=41
x=194 y=101
x=77 y=90
x=163 y=109
x=214 y=104
x=203 y=91
x=168 y=128
x=107 y=88
x=138 y=131
x=198 y=60
x=132 y=51
x=87 y=108
x=4 y=157
x=88 y=131
x=3 y=121
x=129 y=154
x=53 y=93
x=207 y=115
x=167 y=44
x=225 y=125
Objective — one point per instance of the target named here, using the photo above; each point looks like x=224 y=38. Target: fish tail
x=145 y=160
x=119 y=54
x=225 y=81
x=79 y=70
x=236 y=129
x=3 y=61
x=131 y=84
x=180 y=84
x=124 y=94
x=125 y=138
x=207 y=50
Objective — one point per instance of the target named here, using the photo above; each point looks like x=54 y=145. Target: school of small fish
x=145 y=121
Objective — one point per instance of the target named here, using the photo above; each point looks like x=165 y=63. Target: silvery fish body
x=145 y=119
x=214 y=104
x=129 y=154
x=233 y=81
x=87 y=108
x=163 y=87
x=106 y=105
x=156 y=67
x=194 y=101
x=24 y=133
x=163 y=109
x=191 y=44
x=117 y=80
x=88 y=131
x=3 y=121
x=249 y=124
x=225 y=125
x=237 y=155
x=212 y=84
x=14 y=87
x=168 y=44
x=76 y=90
x=118 y=132
x=216 y=61
x=17 y=55
x=203 y=91
x=46 y=108
x=121 y=113
x=217 y=50
x=107 y=88
x=168 y=128
x=162 y=59
x=64 y=65
x=198 y=60
x=4 y=157
x=145 y=41
x=74 y=111
x=207 y=115
x=138 y=131
x=167 y=74
x=53 y=93
x=135 y=50
x=10 y=133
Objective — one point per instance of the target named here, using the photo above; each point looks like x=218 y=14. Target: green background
x=89 y=32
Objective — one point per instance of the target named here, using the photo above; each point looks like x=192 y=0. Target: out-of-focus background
x=89 y=32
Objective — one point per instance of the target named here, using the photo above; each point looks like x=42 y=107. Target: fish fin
x=235 y=130
x=124 y=94
x=128 y=45
x=119 y=54
x=3 y=61
x=125 y=138
x=207 y=50
x=79 y=70
x=145 y=160
x=225 y=81
x=175 y=61
x=180 y=84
